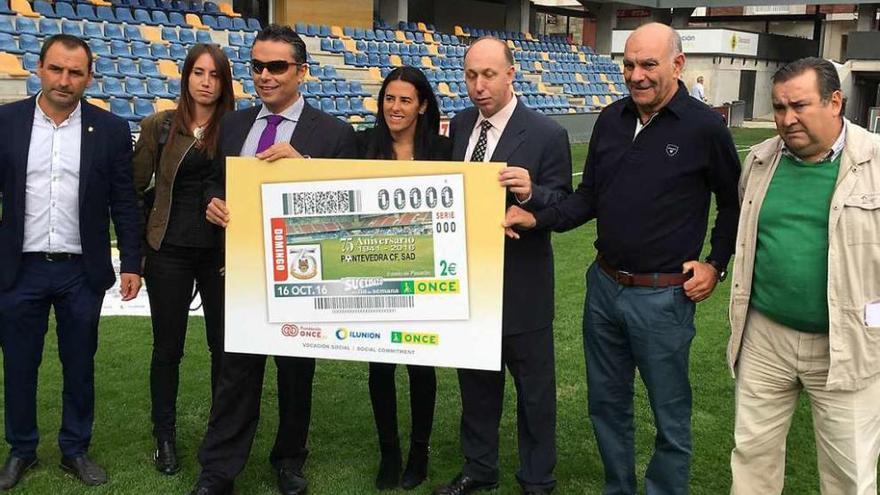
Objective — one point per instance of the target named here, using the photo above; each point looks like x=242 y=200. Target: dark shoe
x=416 y=466
x=14 y=470
x=462 y=485
x=85 y=469
x=388 y=477
x=291 y=480
x=165 y=457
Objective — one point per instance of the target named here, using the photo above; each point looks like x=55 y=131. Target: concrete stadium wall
x=721 y=79
x=579 y=127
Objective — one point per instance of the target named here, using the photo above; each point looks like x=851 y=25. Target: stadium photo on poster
x=366 y=250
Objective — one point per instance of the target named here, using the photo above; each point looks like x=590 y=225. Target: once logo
x=289 y=330
x=415 y=338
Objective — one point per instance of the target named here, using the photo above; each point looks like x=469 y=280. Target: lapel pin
x=91 y=128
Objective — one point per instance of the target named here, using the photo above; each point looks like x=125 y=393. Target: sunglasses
x=276 y=67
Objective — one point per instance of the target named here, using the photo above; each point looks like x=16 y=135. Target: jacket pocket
x=861 y=216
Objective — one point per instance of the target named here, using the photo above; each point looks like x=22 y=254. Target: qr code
x=322 y=202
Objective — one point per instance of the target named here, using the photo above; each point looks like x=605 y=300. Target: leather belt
x=54 y=257
x=656 y=280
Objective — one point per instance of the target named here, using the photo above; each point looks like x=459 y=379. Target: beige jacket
x=853 y=255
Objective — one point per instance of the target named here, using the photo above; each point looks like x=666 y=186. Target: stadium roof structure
x=670 y=4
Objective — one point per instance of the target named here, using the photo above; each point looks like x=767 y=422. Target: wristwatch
x=722 y=270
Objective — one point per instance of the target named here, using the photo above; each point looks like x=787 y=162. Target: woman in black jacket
x=407 y=128
x=174 y=151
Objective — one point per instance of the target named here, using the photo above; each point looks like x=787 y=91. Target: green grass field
x=343 y=441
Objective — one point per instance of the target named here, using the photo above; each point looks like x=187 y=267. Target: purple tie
x=267 y=138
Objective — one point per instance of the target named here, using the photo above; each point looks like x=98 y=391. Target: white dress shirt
x=51 y=211
x=493 y=135
x=282 y=134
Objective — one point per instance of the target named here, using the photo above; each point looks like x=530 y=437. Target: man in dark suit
x=285 y=126
x=502 y=129
x=65 y=169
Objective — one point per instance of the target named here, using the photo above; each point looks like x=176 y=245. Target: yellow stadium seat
x=195 y=21
x=371 y=105
x=375 y=74
x=603 y=77
x=163 y=104
x=545 y=56
x=239 y=92
x=356 y=119
x=529 y=37
x=426 y=62
x=99 y=103
x=511 y=45
x=336 y=32
x=399 y=36
x=396 y=61
x=583 y=57
x=596 y=101
x=579 y=78
x=571 y=110
x=432 y=49
x=613 y=88
x=459 y=31
x=22 y=7
x=574 y=48
x=543 y=88
x=423 y=28
x=168 y=69
x=429 y=38
x=350 y=45
x=539 y=67
x=100 y=3
x=11 y=66
x=608 y=100
x=226 y=8
x=444 y=88
x=153 y=34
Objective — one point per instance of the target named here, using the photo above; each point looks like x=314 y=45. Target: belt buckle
x=624 y=277
x=48 y=257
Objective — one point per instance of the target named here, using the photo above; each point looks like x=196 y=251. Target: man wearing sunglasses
x=284 y=126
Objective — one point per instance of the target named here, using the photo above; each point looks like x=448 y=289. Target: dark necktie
x=480 y=149
x=267 y=138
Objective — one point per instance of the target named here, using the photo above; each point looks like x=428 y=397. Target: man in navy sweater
x=655 y=158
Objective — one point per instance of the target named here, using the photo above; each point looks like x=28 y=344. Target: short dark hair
x=69 y=41
x=826 y=74
x=507 y=53
x=278 y=32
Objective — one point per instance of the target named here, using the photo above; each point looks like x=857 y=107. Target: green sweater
x=790 y=283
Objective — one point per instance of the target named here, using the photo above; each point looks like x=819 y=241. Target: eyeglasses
x=276 y=67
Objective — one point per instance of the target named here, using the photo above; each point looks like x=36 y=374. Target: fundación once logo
x=292 y=330
x=415 y=338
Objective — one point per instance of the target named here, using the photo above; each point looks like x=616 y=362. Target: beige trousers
x=774 y=365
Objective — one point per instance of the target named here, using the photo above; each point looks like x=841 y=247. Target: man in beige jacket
x=805 y=300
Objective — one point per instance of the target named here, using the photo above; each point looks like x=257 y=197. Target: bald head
x=660 y=34
x=490 y=44
x=489 y=73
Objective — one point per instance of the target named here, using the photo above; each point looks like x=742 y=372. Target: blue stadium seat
x=242 y=104
x=210 y=21
x=330 y=72
x=156 y=87
x=29 y=43
x=235 y=39
x=86 y=11
x=311 y=30
x=136 y=87
x=122 y=108
x=204 y=37
x=30 y=61
x=328 y=88
x=314 y=88
x=210 y=8
x=93 y=90
x=157 y=51
x=177 y=52
x=343 y=106
x=160 y=18
x=49 y=27
x=244 y=53
x=224 y=23
x=119 y=48
x=249 y=39
x=459 y=104
x=149 y=69
x=357 y=107
x=170 y=34
x=361 y=60
x=123 y=14
x=128 y=68
x=187 y=36
x=4 y=8
x=113 y=87
x=349 y=58
x=105 y=13
x=33 y=85
x=342 y=88
x=26 y=25
x=44 y=9
x=248 y=86
x=177 y=19
x=106 y=67
x=328 y=105
x=141 y=16
x=143 y=107
x=195 y=6
x=149 y=4
x=231 y=53
x=65 y=10
x=301 y=28
x=70 y=27
x=114 y=32
x=174 y=87
x=239 y=24
x=240 y=71
x=324 y=30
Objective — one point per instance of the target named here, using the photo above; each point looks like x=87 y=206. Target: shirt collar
x=675 y=106
x=501 y=118
x=291 y=113
x=833 y=153
x=70 y=118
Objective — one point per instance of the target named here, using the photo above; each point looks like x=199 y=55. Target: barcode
x=363 y=304
x=321 y=202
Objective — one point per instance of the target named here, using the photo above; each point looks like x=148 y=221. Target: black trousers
x=236 y=412
x=170 y=274
x=422 y=397
x=530 y=360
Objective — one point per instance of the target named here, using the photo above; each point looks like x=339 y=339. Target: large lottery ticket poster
x=366 y=260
